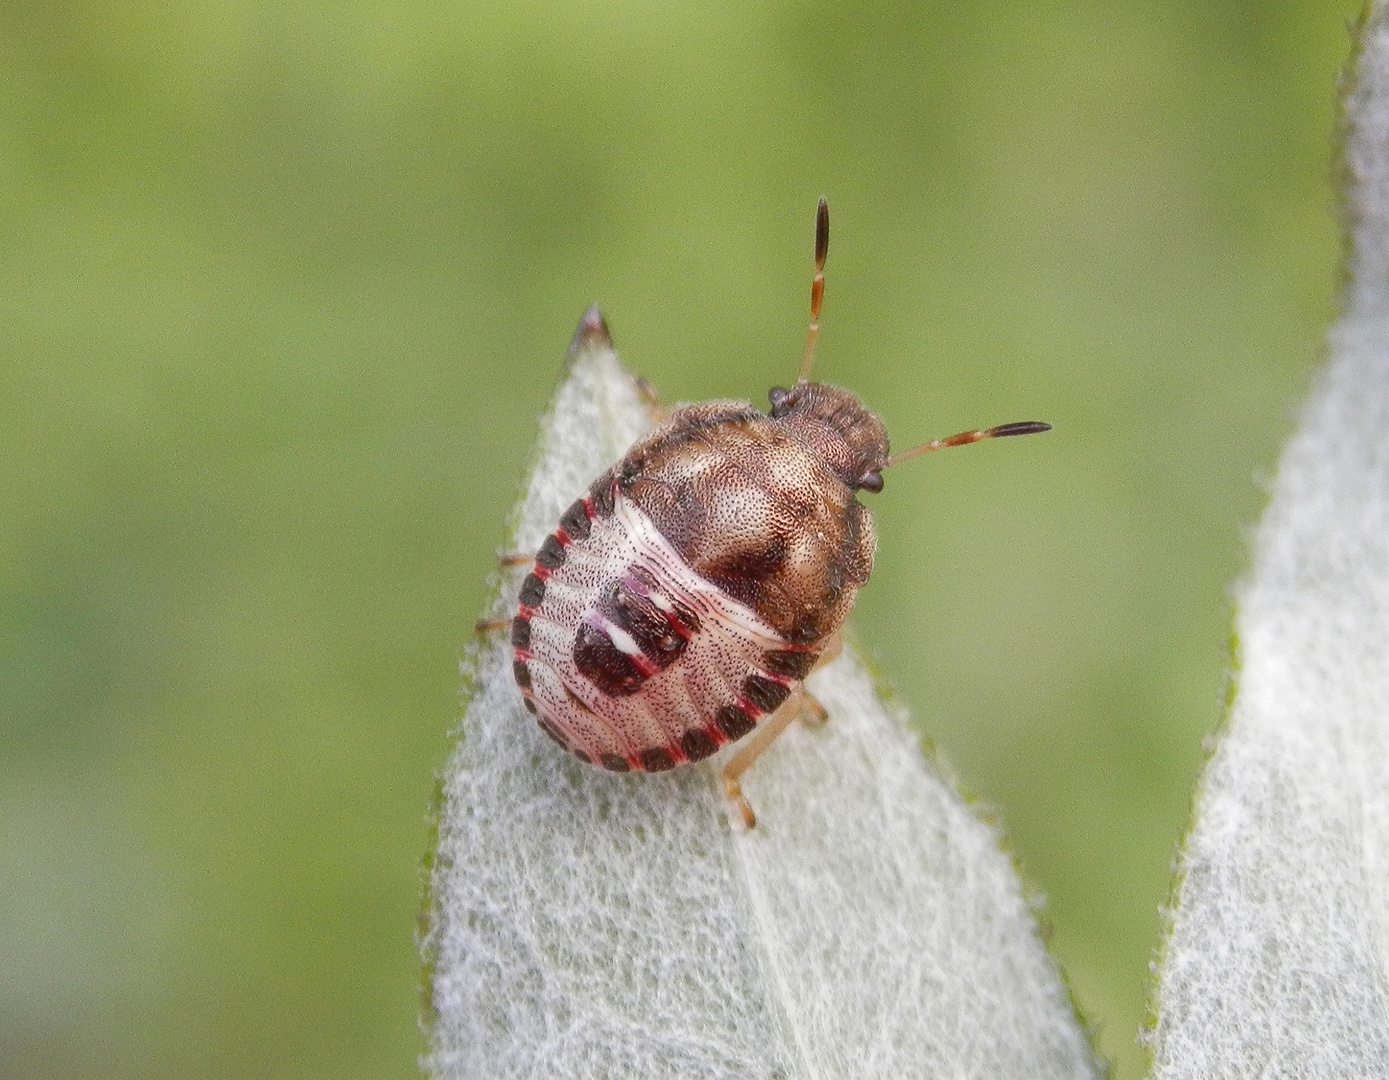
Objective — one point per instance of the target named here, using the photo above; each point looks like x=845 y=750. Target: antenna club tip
x=822 y=233
x=1025 y=427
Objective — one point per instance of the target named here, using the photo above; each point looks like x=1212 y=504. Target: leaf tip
x=591 y=332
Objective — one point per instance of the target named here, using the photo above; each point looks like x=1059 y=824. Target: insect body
x=683 y=598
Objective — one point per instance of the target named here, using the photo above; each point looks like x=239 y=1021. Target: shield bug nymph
x=680 y=603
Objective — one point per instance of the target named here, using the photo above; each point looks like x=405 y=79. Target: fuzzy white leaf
x=1278 y=959
x=586 y=924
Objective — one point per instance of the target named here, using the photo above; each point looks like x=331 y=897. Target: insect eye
x=871 y=481
x=778 y=396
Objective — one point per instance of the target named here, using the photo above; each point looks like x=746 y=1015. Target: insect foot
x=812 y=712
x=505 y=560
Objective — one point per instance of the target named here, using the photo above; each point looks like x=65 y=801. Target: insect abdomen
x=631 y=660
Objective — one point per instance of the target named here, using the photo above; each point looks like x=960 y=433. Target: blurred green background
x=283 y=290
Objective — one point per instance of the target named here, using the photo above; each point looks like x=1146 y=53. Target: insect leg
x=834 y=645
x=812 y=712
x=659 y=413
x=762 y=738
x=489 y=626
x=514 y=558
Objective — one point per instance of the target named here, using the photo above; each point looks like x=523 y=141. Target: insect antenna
x=964 y=438
x=817 y=288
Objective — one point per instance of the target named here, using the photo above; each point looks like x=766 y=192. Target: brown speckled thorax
x=685 y=596
x=762 y=506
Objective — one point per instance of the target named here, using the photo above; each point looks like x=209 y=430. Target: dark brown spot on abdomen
x=532 y=591
x=602 y=495
x=657 y=759
x=698 y=744
x=733 y=722
x=574 y=521
x=792 y=663
x=551 y=554
x=763 y=692
x=662 y=640
x=605 y=665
